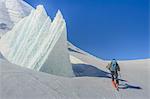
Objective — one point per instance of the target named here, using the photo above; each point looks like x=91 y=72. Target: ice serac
x=11 y=12
x=37 y=43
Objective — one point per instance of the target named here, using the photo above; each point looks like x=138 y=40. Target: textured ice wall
x=11 y=12
x=37 y=43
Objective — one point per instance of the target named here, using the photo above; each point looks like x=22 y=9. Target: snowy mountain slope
x=134 y=73
x=21 y=83
x=78 y=56
x=11 y=12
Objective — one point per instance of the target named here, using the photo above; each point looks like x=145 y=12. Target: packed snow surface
x=92 y=82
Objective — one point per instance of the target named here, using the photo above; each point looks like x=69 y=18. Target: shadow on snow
x=81 y=70
x=72 y=50
x=127 y=86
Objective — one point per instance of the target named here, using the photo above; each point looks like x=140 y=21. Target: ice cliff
x=38 y=43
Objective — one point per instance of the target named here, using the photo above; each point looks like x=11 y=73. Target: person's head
x=114 y=60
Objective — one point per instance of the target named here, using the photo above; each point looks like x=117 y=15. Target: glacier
x=38 y=43
x=22 y=83
x=11 y=12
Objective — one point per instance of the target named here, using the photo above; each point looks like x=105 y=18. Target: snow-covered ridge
x=37 y=43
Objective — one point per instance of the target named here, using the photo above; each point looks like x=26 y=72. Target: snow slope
x=93 y=82
x=135 y=74
x=11 y=11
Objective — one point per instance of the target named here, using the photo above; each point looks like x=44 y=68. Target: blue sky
x=105 y=28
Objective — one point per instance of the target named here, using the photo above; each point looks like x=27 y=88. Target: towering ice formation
x=37 y=43
x=12 y=11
